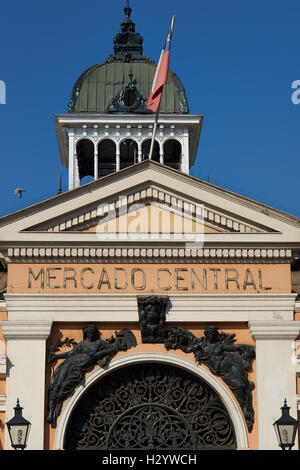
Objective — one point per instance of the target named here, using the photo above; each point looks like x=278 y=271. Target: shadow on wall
x=3 y=280
x=2 y=428
x=295 y=275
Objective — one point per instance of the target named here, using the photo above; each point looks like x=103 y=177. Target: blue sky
x=237 y=60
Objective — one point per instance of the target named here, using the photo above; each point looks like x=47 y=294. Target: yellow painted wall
x=151 y=219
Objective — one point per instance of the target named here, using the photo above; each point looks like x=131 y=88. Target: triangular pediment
x=150 y=191
x=152 y=209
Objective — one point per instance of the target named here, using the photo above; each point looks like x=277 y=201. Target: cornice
x=78 y=119
x=26 y=329
x=274 y=330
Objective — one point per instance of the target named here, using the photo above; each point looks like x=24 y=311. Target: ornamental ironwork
x=230 y=361
x=128 y=43
x=129 y=100
x=150 y=406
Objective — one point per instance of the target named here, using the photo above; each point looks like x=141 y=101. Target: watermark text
x=2 y=92
x=296 y=94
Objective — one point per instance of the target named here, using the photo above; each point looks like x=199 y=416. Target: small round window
x=129 y=99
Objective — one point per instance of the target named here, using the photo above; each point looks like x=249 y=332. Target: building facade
x=145 y=308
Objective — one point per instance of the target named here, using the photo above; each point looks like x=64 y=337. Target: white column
x=161 y=152
x=185 y=153
x=26 y=355
x=95 y=163
x=139 y=151
x=71 y=158
x=76 y=171
x=118 y=155
x=275 y=375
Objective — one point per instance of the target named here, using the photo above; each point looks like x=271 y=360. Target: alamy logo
x=2 y=92
x=296 y=94
x=151 y=222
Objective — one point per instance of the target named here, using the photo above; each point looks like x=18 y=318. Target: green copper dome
x=123 y=82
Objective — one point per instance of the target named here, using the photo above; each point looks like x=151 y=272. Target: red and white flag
x=161 y=74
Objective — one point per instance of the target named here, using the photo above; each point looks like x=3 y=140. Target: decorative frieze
x=202 y=255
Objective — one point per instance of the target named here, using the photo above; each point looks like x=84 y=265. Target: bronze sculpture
x=84 y=355
x=225 y=359
x=152 y=318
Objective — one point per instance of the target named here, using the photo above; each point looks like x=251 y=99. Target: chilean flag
x=161 y=74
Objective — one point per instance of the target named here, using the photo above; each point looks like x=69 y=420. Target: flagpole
x=160 y=78
x=154 y=133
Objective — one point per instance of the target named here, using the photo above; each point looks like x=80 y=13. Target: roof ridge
x=140 y=166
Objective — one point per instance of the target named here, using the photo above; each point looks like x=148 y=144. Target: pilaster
x=26 y=348
x=275 y=375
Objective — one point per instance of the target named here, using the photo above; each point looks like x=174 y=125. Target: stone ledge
x=21 y=329
x=274 y=330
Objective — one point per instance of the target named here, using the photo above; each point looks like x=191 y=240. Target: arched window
x=85 y=158
x=146 y=150
x=172 y=154
x=158 y=403
x=128 y=153
x=106 y=157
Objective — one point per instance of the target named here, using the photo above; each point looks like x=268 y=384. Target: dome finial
x=127 y=10
x=128 y=43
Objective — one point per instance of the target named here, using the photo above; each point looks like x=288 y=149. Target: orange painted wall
x=276 y=276
x=157 y=278
x=60 y=331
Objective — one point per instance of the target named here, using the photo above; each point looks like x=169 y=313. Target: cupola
x=108 y=128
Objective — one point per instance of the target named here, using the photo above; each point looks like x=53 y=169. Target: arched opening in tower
x=85 y=159
x=172 y=154
x=106 y=157
x=128 y=153
x=146 y=150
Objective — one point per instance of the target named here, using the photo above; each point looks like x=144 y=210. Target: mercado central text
x=151 y=278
